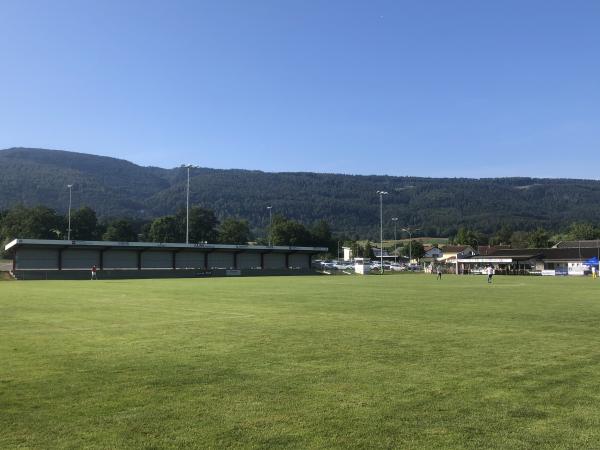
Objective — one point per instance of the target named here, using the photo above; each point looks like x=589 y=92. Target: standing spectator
x=490 y=273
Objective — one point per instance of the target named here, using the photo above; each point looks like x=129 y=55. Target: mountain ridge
x=117 y=187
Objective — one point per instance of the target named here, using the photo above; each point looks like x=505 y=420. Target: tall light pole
x=381 y=194
x=270 y=208
x=187 y=204
x=395 y=220
x=70 y=186
x=410 y=232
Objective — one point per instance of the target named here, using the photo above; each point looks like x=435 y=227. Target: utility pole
x=395 y=220
x=270 y=208
x=70 y=186
x=187 y=204
x=410 y=232
x=381 y=194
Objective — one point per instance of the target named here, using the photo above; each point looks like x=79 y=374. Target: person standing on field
x=94 y=270
x=594 y=275
x=490 y=273
x=438 y=270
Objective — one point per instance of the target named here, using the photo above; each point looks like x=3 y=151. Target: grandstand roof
x=158 y=246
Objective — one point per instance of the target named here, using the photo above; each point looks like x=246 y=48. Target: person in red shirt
x=94 y=270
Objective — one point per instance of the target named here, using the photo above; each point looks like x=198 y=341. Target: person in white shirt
x=490 y=273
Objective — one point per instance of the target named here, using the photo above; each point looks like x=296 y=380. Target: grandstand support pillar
x=262 y=260
x=205 y=260
x=287 y=260
x=174 y=260
x=235 y=259
x=139 y=260
x=60 y=250
x=310 y=260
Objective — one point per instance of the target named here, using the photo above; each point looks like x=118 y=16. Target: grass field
x=307 y=362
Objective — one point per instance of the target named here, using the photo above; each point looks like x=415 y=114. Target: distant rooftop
x=578 y=244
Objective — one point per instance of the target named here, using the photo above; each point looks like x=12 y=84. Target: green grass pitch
x=301 y=362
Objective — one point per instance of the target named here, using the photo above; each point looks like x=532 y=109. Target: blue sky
x=428 y=88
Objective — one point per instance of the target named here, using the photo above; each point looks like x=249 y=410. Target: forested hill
x=115 y=187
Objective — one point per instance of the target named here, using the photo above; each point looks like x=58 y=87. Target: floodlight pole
x=395 y=220
x=187 y=204
x=381 y=194
x=409 y=247
x=270 y=208
x=70 y=186
x=187 y=209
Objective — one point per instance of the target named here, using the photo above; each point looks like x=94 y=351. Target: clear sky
x=432 y=88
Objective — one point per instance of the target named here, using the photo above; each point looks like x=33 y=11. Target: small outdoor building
x=36 y=258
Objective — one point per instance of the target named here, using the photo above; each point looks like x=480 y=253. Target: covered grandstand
x=53 y=259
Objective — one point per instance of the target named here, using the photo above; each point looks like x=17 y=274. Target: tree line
x=41 y=222
x=537 y=238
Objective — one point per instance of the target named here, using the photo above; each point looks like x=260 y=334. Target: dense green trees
x=289 y=232
x=414 y=248
x=120 y=231
x=166 y=229
x=582 y=231
x=84 y=225
x=469 y=237
x=367 y=250
x=203 y=224
x=233 y=231
x=202 y=227
x=539 y=238
x=41 y=222
x=33 y=223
